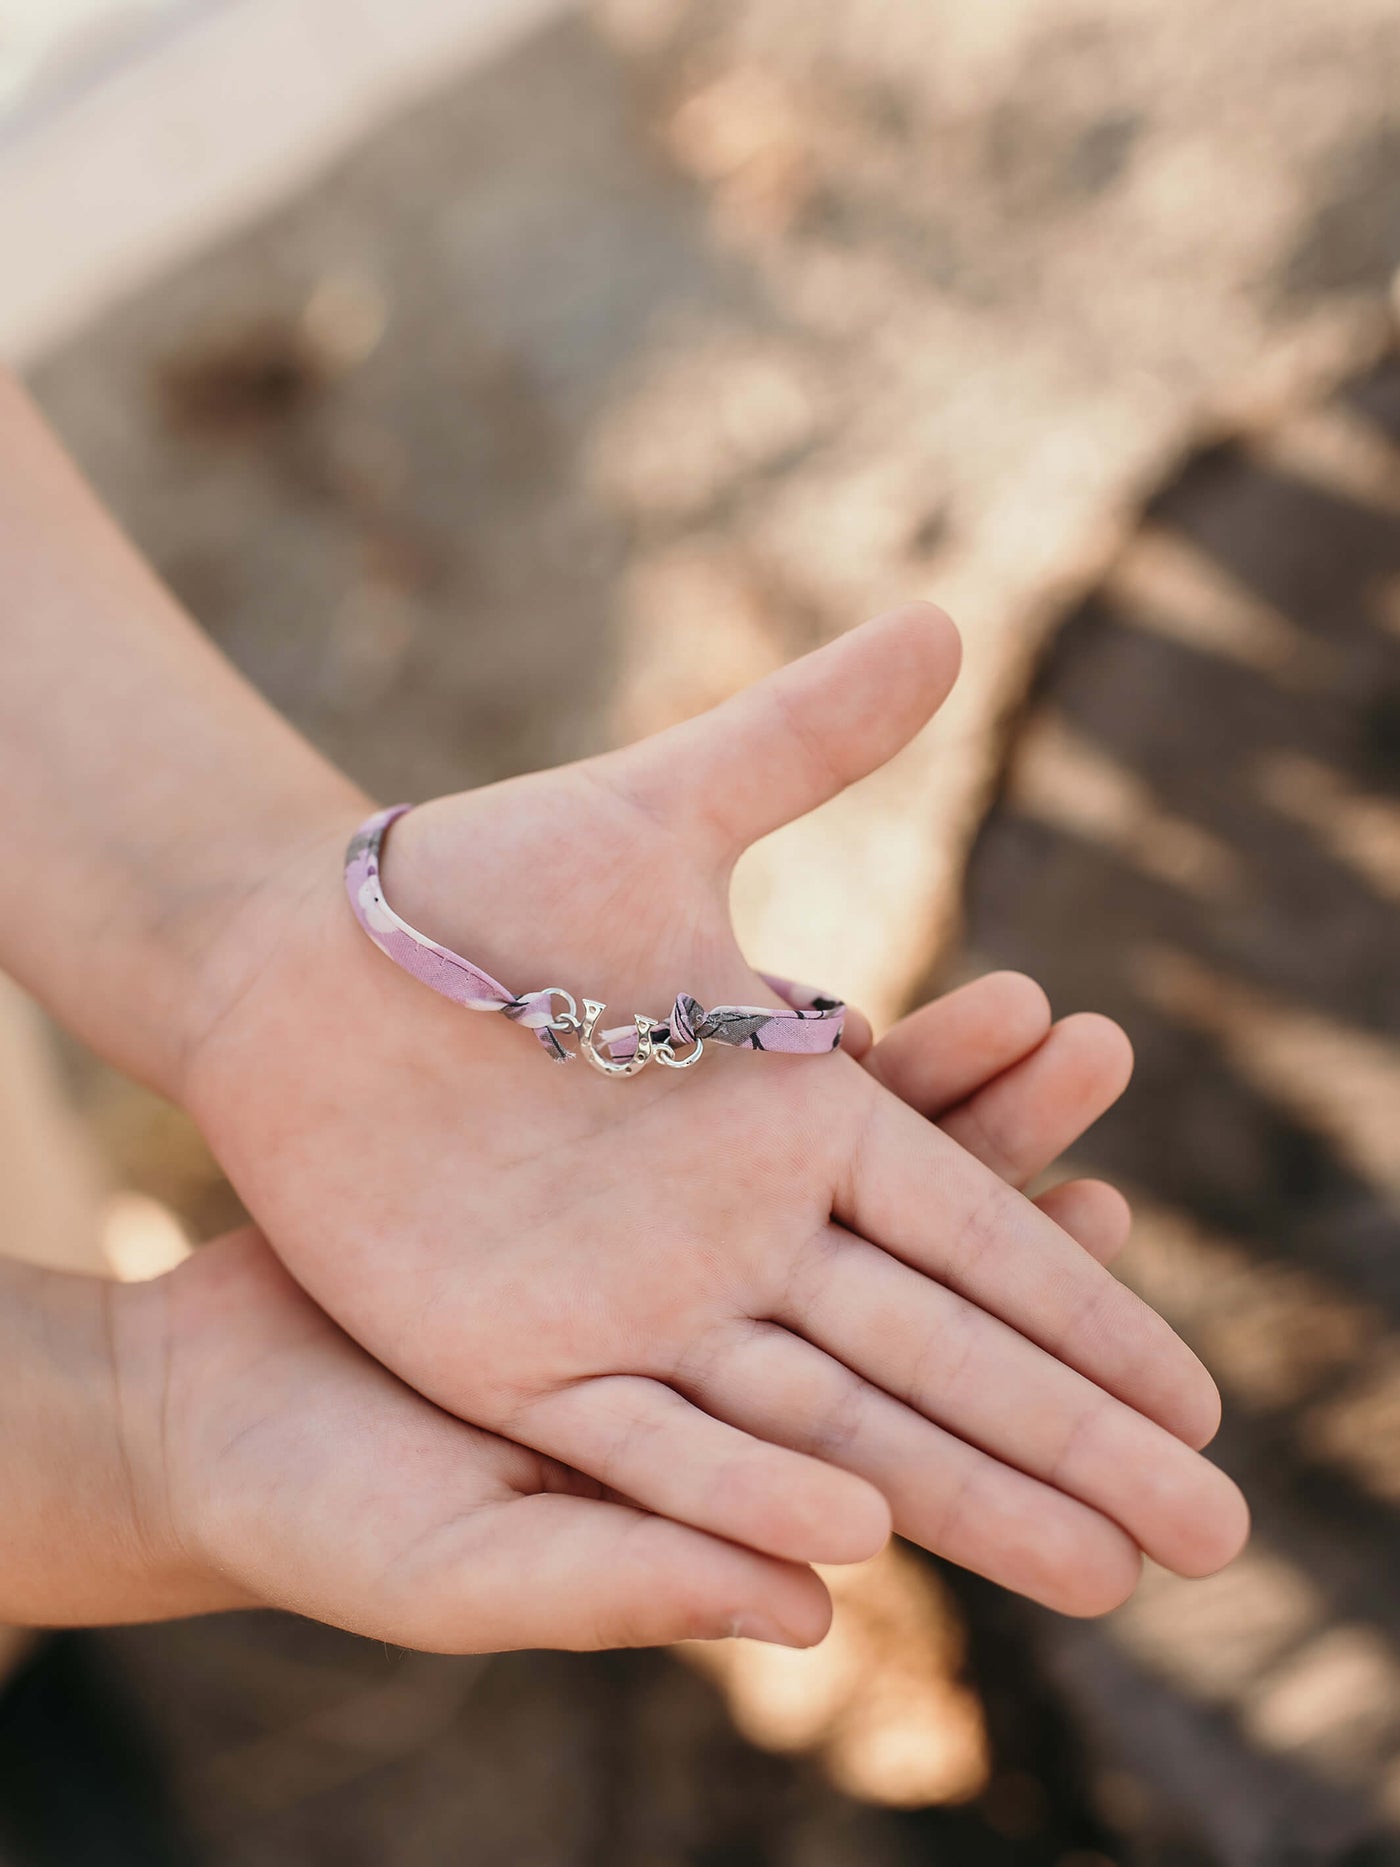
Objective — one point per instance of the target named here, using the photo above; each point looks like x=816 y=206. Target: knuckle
x=838 y=1424
x=1083 y=1426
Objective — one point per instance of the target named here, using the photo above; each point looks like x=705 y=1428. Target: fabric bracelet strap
x=805 y=1024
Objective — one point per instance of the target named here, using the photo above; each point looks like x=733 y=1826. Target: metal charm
x=652 y=1047
x=663 y=1053
x=592 y=1012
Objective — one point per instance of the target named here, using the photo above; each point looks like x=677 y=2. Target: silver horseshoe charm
x=592 y=1012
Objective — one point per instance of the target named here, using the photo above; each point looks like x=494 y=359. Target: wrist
x=270 y=894
x=87 y=1538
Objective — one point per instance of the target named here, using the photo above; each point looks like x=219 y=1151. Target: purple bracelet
x=807 y=1024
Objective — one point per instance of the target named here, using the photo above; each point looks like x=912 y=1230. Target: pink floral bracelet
x=807 y=1024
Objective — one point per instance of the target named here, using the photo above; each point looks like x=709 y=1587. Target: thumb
x=787 y=744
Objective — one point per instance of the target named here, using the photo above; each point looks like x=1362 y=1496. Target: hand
x=212 y=1440
x=986 y=1064
x=760 y=1298
x=289 y=1469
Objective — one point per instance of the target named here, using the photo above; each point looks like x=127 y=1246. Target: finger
x=787 y=744
x=916 y=1193
x=856 y=1034
x=558 y=1571
x=971 y=1374
x=943 y=1053
x=946 y=1050
x=945 y=1495
x=644 y=1441
x=1095 y=1215
x=1026 y=1118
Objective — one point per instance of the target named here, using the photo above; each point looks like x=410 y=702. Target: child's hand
x=753 y=1297
x=986 y=1064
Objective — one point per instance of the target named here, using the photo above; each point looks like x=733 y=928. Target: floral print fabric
x=807 y=1023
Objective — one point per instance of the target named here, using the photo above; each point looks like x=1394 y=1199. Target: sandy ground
x=1199 y=832
x=683 y=336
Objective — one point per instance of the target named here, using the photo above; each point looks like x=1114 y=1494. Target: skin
x=765 y=1299
x=211 y=1440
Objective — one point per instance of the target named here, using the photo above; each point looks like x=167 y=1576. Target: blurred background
x=495 y=379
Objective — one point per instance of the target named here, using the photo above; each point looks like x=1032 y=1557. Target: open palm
x=289 y=1468
x=761 y=1297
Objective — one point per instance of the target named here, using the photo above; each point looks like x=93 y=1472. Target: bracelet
x=806 y=1024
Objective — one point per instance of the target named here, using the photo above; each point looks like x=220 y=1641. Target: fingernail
x=759 y=1627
